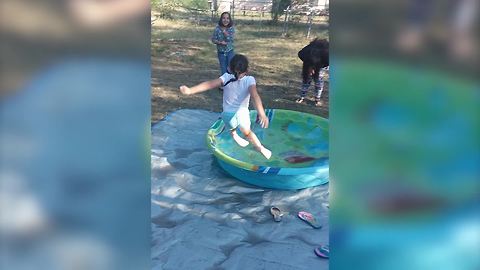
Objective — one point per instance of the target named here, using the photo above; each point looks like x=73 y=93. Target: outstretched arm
x=262 y=118
x=201 y=87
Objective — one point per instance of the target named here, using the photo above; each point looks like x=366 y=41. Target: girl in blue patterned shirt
x=223 y=36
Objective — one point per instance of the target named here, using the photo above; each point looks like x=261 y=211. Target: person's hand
x=222 y=42
x=262 y=119
x=185 y=90
x=310 y=71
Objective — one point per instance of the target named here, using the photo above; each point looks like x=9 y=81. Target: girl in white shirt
x=237 y=90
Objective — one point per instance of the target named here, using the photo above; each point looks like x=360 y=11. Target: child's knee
x=246 y=132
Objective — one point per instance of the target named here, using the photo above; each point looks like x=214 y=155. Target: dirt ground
x=186 y=61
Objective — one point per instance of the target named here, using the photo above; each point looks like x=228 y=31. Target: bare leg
x=239 y=140
x=256 y=143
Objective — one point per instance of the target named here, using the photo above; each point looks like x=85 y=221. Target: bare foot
x=300 y=100
x=239 y=140
x=318 y=103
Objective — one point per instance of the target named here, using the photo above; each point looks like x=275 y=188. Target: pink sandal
x=323 y=251
x=310 y=219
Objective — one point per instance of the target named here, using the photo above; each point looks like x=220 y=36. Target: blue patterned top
x=218 y=35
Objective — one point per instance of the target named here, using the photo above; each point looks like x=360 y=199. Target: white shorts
x=240 y=118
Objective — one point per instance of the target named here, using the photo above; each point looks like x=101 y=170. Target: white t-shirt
x=236 y=95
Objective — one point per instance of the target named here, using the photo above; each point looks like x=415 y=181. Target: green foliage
x=278 y=6
x=195 y=4
x=154 y=3
x=165 y=8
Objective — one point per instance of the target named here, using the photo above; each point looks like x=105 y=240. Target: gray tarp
x=202 y=218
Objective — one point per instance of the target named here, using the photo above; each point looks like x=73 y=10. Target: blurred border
x=74 y=129
x=404 y=135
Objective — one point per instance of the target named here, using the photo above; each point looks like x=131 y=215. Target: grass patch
x=183 y=54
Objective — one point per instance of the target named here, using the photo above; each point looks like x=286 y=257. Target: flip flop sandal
x=310 y=219
x=323 y=252
x=300 y=100
x=276 y=213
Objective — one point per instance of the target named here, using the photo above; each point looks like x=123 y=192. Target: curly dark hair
x=314 y=56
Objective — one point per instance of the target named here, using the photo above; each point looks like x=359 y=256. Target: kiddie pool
x=299 y=145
